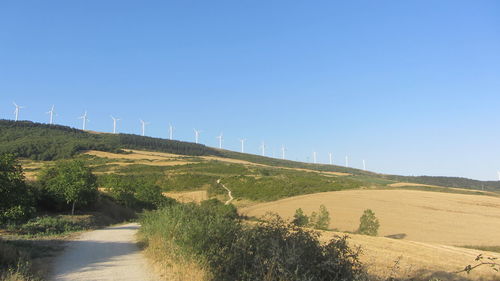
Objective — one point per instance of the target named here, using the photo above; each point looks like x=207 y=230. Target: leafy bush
x=299 y=219
x=368 y=223
x=16 y=201
x=49 y=226
x=320 y=220
x=212 y=234
x=68 y=183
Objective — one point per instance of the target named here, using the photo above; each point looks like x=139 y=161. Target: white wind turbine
x=243 y=145
x=283 y=150
x=51 y=113
x=314 y=157
x=498 y=175
x=143 y=125
x=364 y=165
x=263 y=147
x=196 y=135
x=330 y=156
x=17 y=110
x=171 y=131
x=220 y=138
x=85 y=120
x=115 y=120
x=346 y=161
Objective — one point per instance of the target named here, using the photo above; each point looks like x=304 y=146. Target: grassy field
x=433 y=217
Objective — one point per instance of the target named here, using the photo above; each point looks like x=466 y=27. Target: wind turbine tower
x=171 y=131
x=114 y=123
x=263 y=147
x=196 y=135
x=283 y=150
x=364 y=165
x=498 y=175
x=17 y=110
x=243 y=145
x=143 y=125
x=51 y=113
x=330 y=156
x=85 y=120
x=220 y=137
x=314 y=157
x=346 y=161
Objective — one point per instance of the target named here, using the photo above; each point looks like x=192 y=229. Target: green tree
x=16 y=201
x=368 y=223
x=300 y=219
x=320 y=220
x=70 y=181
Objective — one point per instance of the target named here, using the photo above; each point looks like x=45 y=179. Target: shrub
x=212 y=235
x=49 y=226
x=16 y=201
x=320 y=220
x=368 y=223
x=70 y=183
x=299 y=219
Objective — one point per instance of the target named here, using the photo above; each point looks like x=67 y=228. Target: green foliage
x=16 y=201
x=300 y=219
x=49 y=226
x=368 y=223
x=50 y=142
x=213 y=235
x=320 y=220
x=70 y=182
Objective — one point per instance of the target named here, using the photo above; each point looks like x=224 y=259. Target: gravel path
x=106 y=254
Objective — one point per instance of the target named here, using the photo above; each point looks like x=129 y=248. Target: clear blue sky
x=413 y=87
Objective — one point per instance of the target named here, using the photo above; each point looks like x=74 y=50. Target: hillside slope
x=50 y=142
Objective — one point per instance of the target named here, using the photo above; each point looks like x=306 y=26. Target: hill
x=45 y=142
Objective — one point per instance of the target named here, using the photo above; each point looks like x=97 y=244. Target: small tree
x=368 y=223
x=70 y=181
x=299 y=219
x=320 y=220
x=16 y=200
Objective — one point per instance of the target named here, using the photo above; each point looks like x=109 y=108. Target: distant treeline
x=50 y=142
x=449 y=182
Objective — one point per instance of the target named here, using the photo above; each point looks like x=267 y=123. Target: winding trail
x=107 y=254
x=229 y=193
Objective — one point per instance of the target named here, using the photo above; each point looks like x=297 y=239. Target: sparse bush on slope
x=368 y=223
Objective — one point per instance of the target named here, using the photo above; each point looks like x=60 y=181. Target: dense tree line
x=50 y=142
x=449 y=182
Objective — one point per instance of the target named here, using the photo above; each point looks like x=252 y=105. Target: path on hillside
x=106 y=254
x=229 y=193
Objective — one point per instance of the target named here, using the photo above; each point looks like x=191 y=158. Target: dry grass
x=433 y=217
x=172 y=267
x=416 y=258
x=141 y=157
x=188 y=196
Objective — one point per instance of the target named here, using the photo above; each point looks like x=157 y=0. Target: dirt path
x=229 y=193
x=106 y=254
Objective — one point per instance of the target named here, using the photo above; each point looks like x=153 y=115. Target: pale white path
x=106 y=254
x=229 y=193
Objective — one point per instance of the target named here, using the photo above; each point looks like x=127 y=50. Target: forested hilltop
x=51 y=142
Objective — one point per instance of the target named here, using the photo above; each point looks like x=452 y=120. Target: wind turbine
x=314 y=157
x=196 y=135
x=143 y=124
x=85 y=120
x=221 y=137
x=171 y=131
x=263 y=147
x=283 y=150
x=51 y=112
x=243 y=145
x=330 y=156
x=114 y=123
x=364 y=165
x=498 y=175
x=346 y=161
x=17 y=110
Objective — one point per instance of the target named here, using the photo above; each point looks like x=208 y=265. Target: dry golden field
x=442 y=218
x=188 y=196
